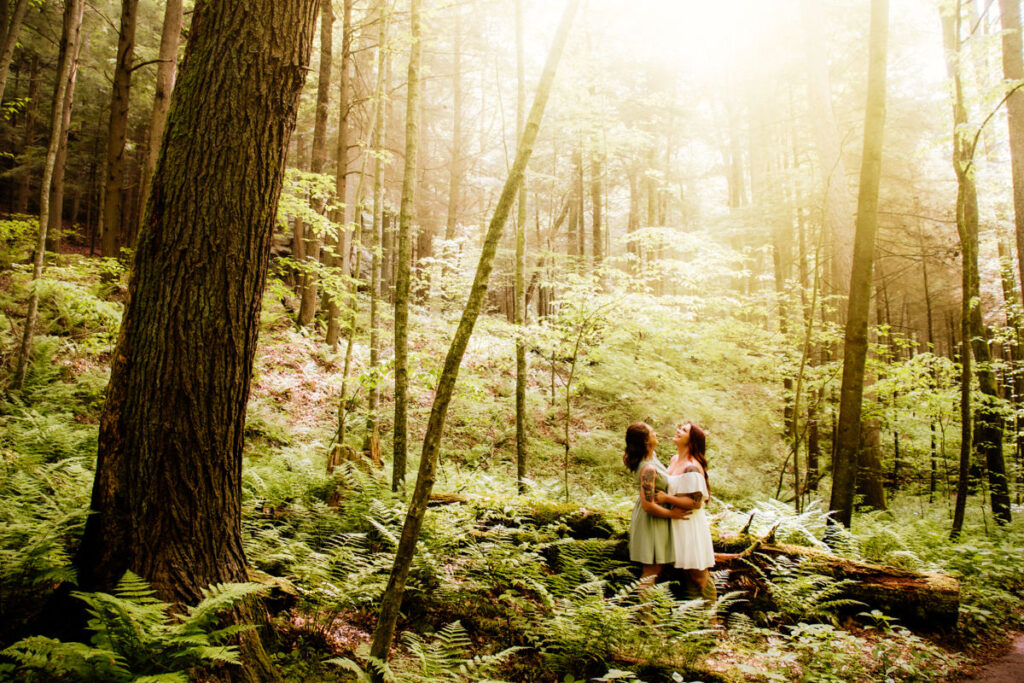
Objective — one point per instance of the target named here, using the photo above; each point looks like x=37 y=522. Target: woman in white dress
x=688 y=488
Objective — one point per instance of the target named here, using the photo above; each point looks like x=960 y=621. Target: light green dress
x=650 y=538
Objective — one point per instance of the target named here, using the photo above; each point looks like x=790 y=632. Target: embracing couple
x=669 y=525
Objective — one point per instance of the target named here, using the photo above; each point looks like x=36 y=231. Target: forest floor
x=1004 y=664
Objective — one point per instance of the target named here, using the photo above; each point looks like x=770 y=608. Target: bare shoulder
x=693 y=467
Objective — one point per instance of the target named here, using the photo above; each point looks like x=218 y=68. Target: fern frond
x=218 y=599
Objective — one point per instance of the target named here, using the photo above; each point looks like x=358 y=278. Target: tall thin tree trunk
x=117 y=131
x=990 y=428
x=11 y=29
x=403 y=274
x=455 y=170
x=839 y=201
x=53 y=231
x=520 y=293
x=308 y=276
x=372 y=440
x=392 y=598
x=70 y=36
x=342 y=241
x=29 y=135
x=165 y=72
x=844 y=472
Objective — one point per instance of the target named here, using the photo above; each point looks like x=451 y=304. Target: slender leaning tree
x=855 y=348
x=391 y=601
x=166 y=500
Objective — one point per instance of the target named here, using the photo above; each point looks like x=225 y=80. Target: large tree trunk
x=70 y=37
x=844 y=472
x=167 y=493
x=169 y=38
x=403 y=273
x=392 y=598
x=117 y=131
x=9 y=39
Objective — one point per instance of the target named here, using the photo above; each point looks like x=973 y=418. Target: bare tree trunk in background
x=990 y=426
x=170 y=36
x=167 y=497
x=392 y=599
x=1013 y=72
x=117 y=132
x=596 y=197
x=308 y=278
x=844 y=472
x=70 y=37
x=404 y=261
x=371 y=442
x=455 y=171
x=11 y=30
x=56 y=226
x=839 y=201
x=520 y=290
x=342 y=241
x=29 y=136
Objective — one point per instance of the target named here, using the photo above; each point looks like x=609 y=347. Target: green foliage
x=589 y=627
x=16 y=233
x=137 y=638
x=42 y=507
x=798 y=592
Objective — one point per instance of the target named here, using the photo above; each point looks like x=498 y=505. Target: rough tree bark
x=403 y=273
x=166 y=500
x=844 y=471
x=392 y=598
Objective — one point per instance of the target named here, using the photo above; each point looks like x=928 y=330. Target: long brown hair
x=698 y=449
x=637 y=435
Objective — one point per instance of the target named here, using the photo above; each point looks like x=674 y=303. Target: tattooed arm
x=689 y=501
x=648 y=493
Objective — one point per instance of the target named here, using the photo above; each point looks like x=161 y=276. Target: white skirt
x=691 y=537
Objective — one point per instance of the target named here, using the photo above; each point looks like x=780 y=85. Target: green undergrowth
x=504 y=587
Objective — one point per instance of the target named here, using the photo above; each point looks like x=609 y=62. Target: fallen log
x=920 y=600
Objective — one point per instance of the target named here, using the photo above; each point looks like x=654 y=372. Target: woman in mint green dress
x=650 y=531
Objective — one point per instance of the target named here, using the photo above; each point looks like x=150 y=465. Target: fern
x=446 y=656
x=136 y=637
x=800 y=594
